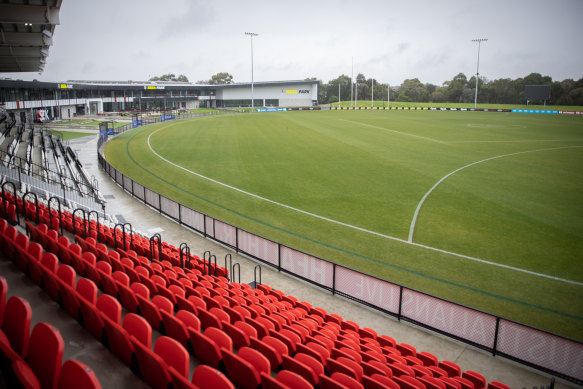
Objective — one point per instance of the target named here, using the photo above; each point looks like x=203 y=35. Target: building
x=34 y=101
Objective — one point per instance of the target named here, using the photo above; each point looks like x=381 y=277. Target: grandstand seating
x=255 y=336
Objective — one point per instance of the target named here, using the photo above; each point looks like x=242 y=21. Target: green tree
x=221 y=79
x=170 y=77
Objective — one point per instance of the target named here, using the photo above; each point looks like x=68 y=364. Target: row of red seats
x=101 y=316
x=34 y=360
x=97 y=232
x=402 y=359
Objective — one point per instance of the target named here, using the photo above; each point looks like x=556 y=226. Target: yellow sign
x=65 y=86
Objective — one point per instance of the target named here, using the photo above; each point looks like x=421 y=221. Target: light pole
x=479 y=40
x=251 y=35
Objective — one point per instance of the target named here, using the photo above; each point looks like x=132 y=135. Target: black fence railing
x=542 y=350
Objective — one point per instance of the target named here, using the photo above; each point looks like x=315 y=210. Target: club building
x=33 y=101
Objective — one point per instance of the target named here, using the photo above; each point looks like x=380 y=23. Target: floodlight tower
x=251 y=35
x=479 y=40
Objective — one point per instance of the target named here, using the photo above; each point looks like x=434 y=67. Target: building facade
x=33 y=101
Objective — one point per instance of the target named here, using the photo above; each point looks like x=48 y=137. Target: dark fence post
x=495 y=345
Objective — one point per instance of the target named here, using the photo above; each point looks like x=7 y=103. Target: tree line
x=458 y=90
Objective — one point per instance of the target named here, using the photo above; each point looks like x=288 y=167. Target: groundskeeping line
x=409 y=242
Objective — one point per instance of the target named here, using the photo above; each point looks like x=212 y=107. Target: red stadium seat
x=174 y=354
x=476 y=378
x=241 y=372
x=75 y=374
x=293 y=380
x=206 y=377
x=153 y=370
x=45 y=354
x=16 y=326
x=379 y=381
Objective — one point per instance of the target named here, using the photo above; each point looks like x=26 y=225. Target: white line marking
x=516 y=141
x=359 y=228
x=394 y=131
x=416 y=214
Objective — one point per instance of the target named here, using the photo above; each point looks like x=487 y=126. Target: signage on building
x=150 y=87
x=42 y=115
x=295 y=91
x=65 y=86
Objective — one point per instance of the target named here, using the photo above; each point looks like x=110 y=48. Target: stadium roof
x=26 y=32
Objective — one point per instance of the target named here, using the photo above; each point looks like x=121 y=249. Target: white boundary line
x=363 y=229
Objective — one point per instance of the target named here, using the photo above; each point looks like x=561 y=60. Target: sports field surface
x=481 y=208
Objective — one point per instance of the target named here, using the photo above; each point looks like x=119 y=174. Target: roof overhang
x=26 y=33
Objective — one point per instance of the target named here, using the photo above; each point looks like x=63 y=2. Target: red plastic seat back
x=138 y=327
x=75 y=374
x=173 y=353
x=45 y=354
x=17 y=324
x=206 y=377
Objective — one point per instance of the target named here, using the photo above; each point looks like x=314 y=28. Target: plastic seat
x=173 y=353
x=175 y=328
x=16 y=326
x=127 y=298
x=206 y=350
x=431 y=382
x=45 y=354
x=179 y=381
x=287 y=337
x=421 y=370
x=406 y=349
x=346 y=380
x=139 y=328
x=250 y=330
x=90 y=317
x=189 y=319
x=150 y=312
x=21 y=376
x=69 y=299
x=450 y=383
x=87 y=290
x=427 y=358
x=239 y=337
x=118 y=341
x=346 y=366
x=311 y=362
x=220 y=337
x=379 y=381
x=408 y=382
x=400 y=369
x=208 y=319
x=75 y=374
x=293 y=380
x=269 y=382
x=256 y=358
x=476 y=378
x=241 y=372
x=110 y=307
x=220 y=314
x=452 y=369
x=206 y=377
x=300 y=368
x=153 y=370
x=3 y=294
x=273 y=355
x=497 y=385
x=463 y=382
x=329 y=383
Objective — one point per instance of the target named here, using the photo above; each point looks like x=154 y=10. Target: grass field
x=67 y=135
x=498 y=189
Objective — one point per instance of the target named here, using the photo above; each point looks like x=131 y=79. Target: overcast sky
x=389 y=40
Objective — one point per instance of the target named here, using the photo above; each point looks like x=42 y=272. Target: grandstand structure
x=41 y=163
x=87 y=300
